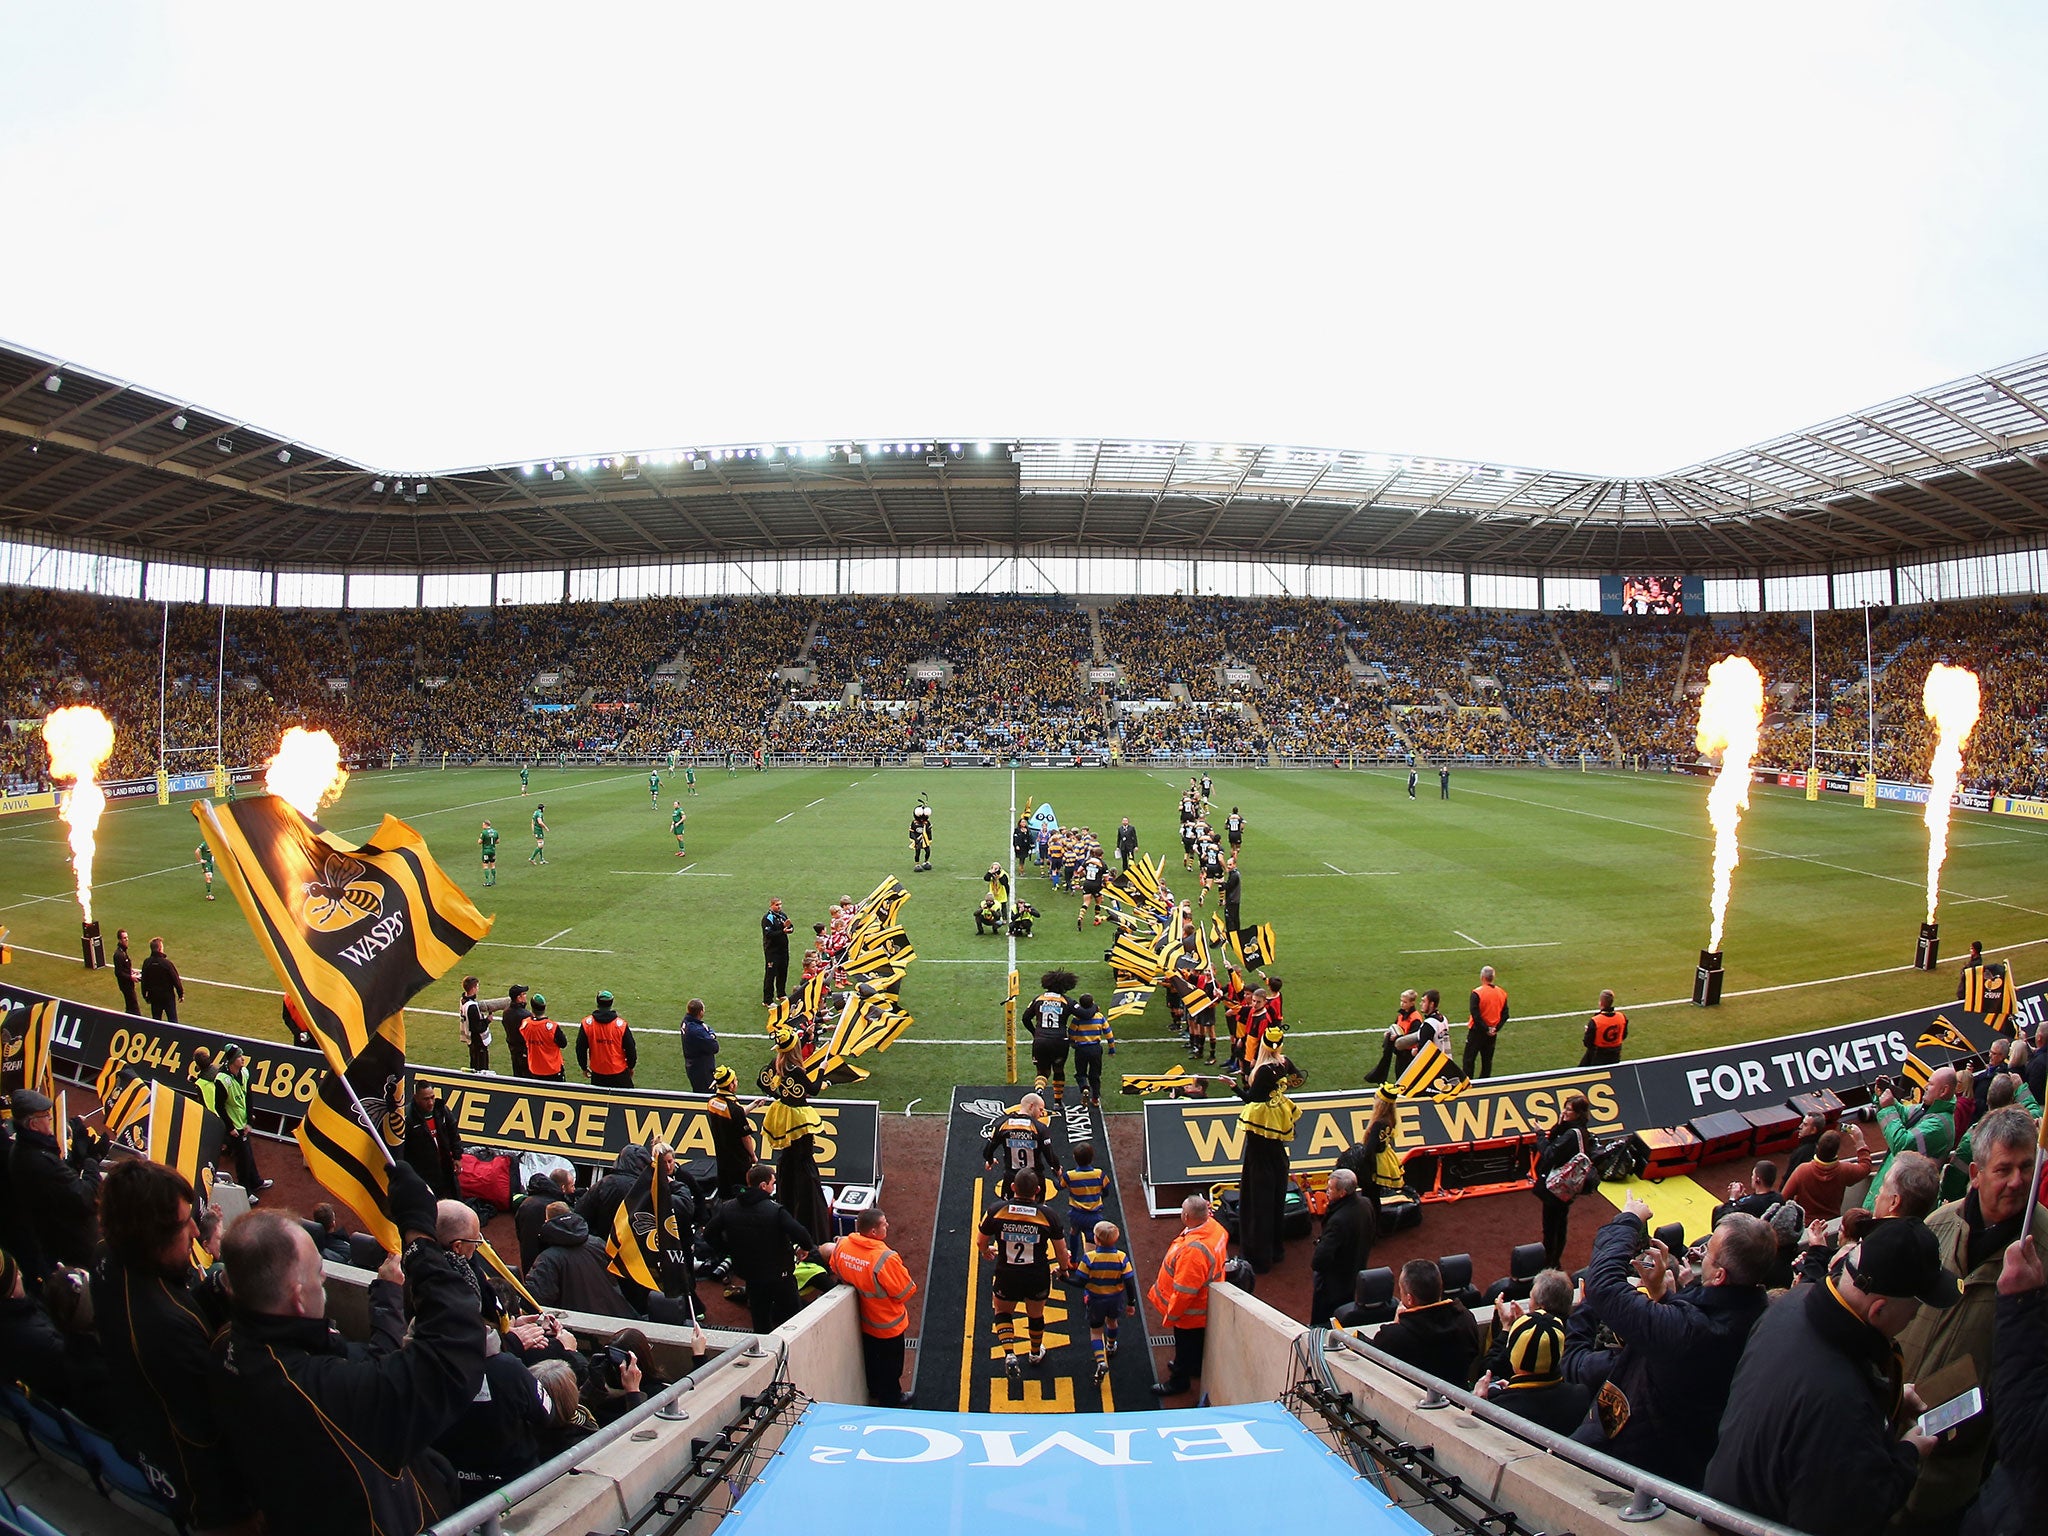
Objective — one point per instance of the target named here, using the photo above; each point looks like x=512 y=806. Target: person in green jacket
x=1929 y=1126
x=226 y=1093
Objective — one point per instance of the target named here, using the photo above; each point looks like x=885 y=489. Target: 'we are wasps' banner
x=1192 y=1141
x=588 y=1125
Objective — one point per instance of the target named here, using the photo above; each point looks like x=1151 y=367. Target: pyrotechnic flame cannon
x=1706 y=981
x=1927 y=953
x=91 y=947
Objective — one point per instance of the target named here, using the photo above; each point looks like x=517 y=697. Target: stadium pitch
x=1565 y=882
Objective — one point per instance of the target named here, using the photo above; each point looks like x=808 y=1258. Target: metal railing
x=1650 y=1496
x=486 y=1512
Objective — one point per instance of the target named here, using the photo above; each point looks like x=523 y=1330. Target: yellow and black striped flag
x=107 y=1077
x=1915 y=1071
x=352 y=1161
x=504 y=1272
x=353 y=930
x=1254 y=946
x=647 y=1244
x=1176 y=1080
x=183 y=1133
x=1133 y=956
x=126 y=1108
x=1942 y=1035
x=1421 y=1074
x=1128 y=1002
x=25 y=1050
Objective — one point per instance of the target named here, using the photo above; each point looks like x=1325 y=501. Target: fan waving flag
x=647 y=1244
x=352 y=1161
x=353 y=930
x=1942 y=1035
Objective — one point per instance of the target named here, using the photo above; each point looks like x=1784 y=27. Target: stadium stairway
x=1684 y=661
x=959 y=1360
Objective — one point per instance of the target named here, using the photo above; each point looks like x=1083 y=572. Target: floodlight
x=529 y=471
x=53 y=383
x=981 y=447
x=377 y=485
x=559 y=474
x=420 y=489
x=223 y=445
x=284 y=455
x=177 y=423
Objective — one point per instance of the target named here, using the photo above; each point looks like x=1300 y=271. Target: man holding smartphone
x=1806 y=1439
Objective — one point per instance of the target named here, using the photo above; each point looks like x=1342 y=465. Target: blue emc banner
x=886 y=1471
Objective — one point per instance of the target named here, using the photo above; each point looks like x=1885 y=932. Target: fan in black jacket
x=1344 y=1248
x=333 y=1437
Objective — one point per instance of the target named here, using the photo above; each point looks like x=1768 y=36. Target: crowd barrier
x=1191 y=1143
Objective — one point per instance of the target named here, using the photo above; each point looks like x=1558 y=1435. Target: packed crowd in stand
x=1282 y=679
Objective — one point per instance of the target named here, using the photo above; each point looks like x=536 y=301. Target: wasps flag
x=1254 y=946
x=25 y=1050
x=1193 y=999
x=1176 y=1080
x=648 y=1244
x=1915 y=1071
x=126 y=1108
x=1942 y=1035
x=351 y=1161
x=353 y=930
x=1430 y=1063
x=1131 y=955
x=1128 y=1002
x=182 y=1132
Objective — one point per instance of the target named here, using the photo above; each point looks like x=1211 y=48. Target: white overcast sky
x=1605 y=238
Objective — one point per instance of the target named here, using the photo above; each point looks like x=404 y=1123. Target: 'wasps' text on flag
x=354 y=930
x=25 y=1049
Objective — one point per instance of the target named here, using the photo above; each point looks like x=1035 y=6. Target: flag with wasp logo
x=1916 y=1072
x=180 y=1132
x=1431 y=1074
x=1942 y=1035
x=356 y=1120
x=1254 y=946
x=1175 y=1080
x=648 y=1245
x=25 y=1049
x=353 y=930
x=1127 y=1002
x=125 y=1107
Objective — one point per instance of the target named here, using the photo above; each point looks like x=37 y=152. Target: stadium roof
x=85 y=457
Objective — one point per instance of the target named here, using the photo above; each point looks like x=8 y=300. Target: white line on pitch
x=1460 y=949
x=688 y=869
x=781 y=819
x=1328 y=865
x=819 y=801
x=544 y=943
x=1467 y=938
x=100 y=885
x=560 y=949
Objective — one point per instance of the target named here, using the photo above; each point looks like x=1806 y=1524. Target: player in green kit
x=671 y=765
x=523 y=781
x=653 y=786
x=676 y=818
x=690 y=780
x=487 y=841
x=204 y=855
x=540 y=836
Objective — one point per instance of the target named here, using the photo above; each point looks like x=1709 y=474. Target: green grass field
x=1565 y=882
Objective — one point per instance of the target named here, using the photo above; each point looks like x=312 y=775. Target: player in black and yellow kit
x=1020 y=1242
x=1018 y=1138
x=1052 y=1011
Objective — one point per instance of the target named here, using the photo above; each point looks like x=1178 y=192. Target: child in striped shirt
x=1085 y=1183
x=1089 y=1034
x=1112 y=1287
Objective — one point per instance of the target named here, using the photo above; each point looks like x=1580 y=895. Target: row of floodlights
x=630 y=462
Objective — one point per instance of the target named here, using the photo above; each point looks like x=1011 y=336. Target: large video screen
x=1648 y=594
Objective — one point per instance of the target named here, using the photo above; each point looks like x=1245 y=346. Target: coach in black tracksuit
x=775 y=931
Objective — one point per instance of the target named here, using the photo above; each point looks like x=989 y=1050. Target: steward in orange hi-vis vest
x=1483 y=1022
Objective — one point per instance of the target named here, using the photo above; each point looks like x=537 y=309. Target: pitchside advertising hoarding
x=582 y=1123
x=1193 y=1141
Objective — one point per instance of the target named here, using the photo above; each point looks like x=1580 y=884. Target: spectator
x=1525 y=1372
x=324 y=1227
x=1665 y=1392
x=2037 y=1066
x=327 y=1438
x=569 y=1422
x=867 y=1263
x=87 y=1390
x=1972 y=1235
x=59 y=1199
x=1928 y=1127
x=1810 y=1128
x=498 y=1435
x=1818 y=1183
x=156 y=1317
x=600 y=1203
x=431 y=1145
x=1759 y=1200
x=162 y=987
x=1806 y=1439
x=700 y=1047
x=31 y=1348
x=1966 y=1100
x=542 y=1190
x=572 y=1268
x=1349 y=1224
x=1567 y=1139
x=762 y=1239
x=1431 y=1331
x=1788 y=1223
x=2017 y=1490
x=1911 y=1187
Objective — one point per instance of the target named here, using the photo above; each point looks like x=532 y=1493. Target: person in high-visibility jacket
x=1484 y=1020
x=544 y=1041
x=866 y=1262
x=604 y=1046
x=1180 y=1294
x=1268 y=1120
x=1605 y=1032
